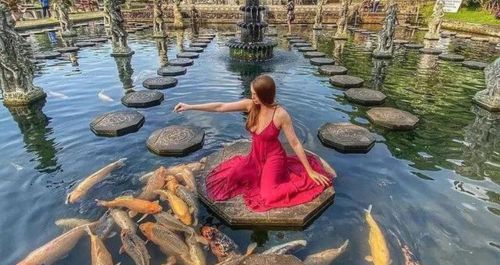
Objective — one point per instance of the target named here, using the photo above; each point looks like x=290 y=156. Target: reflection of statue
x=318 y=19
x=338 y=50
x=117 y=24
x=195 y=20
x=64 y=21
x=435 y=21
x=314 y=39
x=378 y=73
x=490 y=97
x=385 y=46
x=159 y=26
x=179 y=37
x=125 y=71
x=178 y=23
x=16 y=69
x=36 y=134
x=341 y=32
x=162 y=51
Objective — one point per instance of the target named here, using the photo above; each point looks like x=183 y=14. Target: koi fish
x=378 y=245
x=179 y=207
x=136 y=205
x=326 y=257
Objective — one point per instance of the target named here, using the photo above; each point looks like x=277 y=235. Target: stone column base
x=491 y=104
x=122 y=52
x=21 y=98
x=382 y=54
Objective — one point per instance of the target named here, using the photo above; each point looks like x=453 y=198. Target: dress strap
x=275 y=108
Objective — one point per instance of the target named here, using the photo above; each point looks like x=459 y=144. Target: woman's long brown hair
x=264 y=87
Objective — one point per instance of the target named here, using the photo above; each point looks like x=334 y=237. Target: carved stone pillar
x=341 y=33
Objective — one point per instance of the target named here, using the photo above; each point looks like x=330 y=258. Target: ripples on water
x=435 y=188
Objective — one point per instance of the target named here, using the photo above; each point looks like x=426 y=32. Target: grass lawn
x=465 y=14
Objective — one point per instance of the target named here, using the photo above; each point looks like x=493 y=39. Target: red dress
x=266 y=178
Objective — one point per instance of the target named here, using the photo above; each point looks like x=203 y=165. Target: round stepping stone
x=67 y=49
x=445 y=35
x=365 y=96
x=46 y=55
x=142 y=99
x=475 y=65
x=301 y=44
x=332 y=70
x=292 y=41
x=293 y=38
x=25 y=35
x=193 y=49
x=321 y=61
x=392 y=118
x=346 y=81
x=198 y=44
x=117 y=123
x=181 y=62
x=84 y=44
x=401 y=41
x=480 y=39
x=431 y=51
x=190 y=55
x=463 y=36
x=176 y=140
x=346 y=137
x=130 y=30
x=306 y=49
x=171 y=70
x=211 y=35
x=159 y=82
x=314 y=54
x=451 y=57
x=202 y=41
x=228 y=33
x=272 y=34
x=99 y=40
x=413 y=45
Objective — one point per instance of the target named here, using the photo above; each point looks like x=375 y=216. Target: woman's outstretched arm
x=242 y=105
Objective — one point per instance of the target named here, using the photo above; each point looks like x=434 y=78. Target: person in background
x=290 y=14
x=376 y=3
x=45 y=8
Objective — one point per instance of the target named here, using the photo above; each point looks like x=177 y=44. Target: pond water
x=435 y=189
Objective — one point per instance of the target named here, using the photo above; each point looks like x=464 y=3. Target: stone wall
x=472 y=28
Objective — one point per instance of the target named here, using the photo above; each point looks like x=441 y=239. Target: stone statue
x=178 y=22
x=195 y=20
x=385 y=45
x=159 y=26
x=490 y=97
x=435 y=21
x=62 y=8
x=341 y=32
x=161 y=44
x=318 y=19
x=117 y=25
x=16 y=69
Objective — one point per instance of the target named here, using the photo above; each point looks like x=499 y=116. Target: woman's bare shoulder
x=282 y=115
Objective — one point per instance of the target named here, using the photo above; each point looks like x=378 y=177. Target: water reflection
x=162 y=46
x=338 y=50
x=379 y=72
x=125 y=71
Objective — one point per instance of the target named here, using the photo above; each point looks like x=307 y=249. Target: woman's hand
x=319 y=179
x=180 y=107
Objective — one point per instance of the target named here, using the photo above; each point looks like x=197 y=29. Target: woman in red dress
x=266 y=178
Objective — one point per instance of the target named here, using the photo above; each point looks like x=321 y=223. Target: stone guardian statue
x=341 y=33
x=490 y=97
x=117 y=26
x=318 y=19
x=435 y=21
x=159 y=26
x=385 y=45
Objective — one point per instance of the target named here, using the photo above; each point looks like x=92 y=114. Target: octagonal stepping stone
x=392 y=118
x=190 y=55
x=292 y=41
x=163 y=82
x=321 y=61
x=306 y=49
x=346 y=137
x=293 y=37
x=463 y=36
x=25 y=35
x=181 y=62
x=46 y=55
x=451 y=57
x=176 y=140
x=413 y=46
x=202 y=41
x=211 y=35
x=228 y=33
x=365 y=96
x=82 y=44
x=235 y=212
x=198 y=44
x=332 y=70
x=142 y=99
x=130 y=30
x=314 y=54
x=67 y=49
x=474 y=65
x=171 y=70
x=99 y=40
x=401 y=41
x=301 y=44
x=346 y=81
x=193 y=49
x=431 y=51
x=117 y=123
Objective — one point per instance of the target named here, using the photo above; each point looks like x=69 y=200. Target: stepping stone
x=451 y=57
x=181 y=62
x=130 y=30
x=346 y=81
x=346 y=137
x=332 y=70
x=228 y=33
x=365 y=96
x=193 y=49
x=301 y=44
x=463 y=36
x=392 y=118
x=84 y=44
x=176 y=140
x=190 y=55
x=450 y=33
x=321 y=61
x=314 y=54
x=423 y=29
x=171 y=70
x=67 y=49
x=117 y=123
x=306 y=49
x=431 y=51
x=272 y=34
x=142 y=99
x=202 y=41
x=38 y=32
x=413 y=46
x=474 y=65
x=480 y=39
x=292 y=41
x=25 y=35
x=99 y=40
x=46 y=55
x=211 y=35
x=198 y=44
x=445 y=35
x=293 y=38
x=159 y=82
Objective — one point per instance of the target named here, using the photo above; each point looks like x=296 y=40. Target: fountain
x=435 y=22
x=159 y=26
x=341 y=33
x=252 y=46
x=16 y=69
x=117 y=25
x=385 y=46
x=490 y=97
